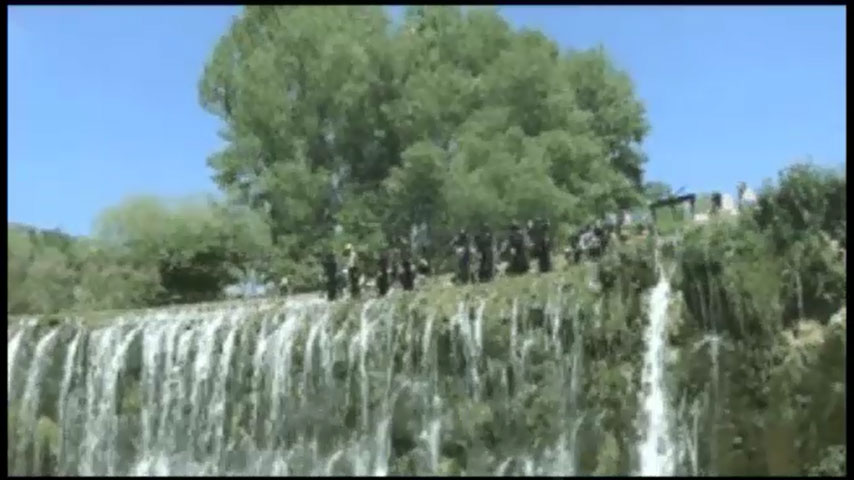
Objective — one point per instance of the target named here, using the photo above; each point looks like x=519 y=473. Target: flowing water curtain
x=471 y=385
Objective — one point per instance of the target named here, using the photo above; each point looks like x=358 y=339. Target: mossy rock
x=449 y=467
x=47 y=442
x=608 y=458
x=131 y=397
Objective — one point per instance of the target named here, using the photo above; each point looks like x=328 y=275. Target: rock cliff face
x=603 y=369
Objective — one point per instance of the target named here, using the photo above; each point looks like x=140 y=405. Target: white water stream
x=656 y=450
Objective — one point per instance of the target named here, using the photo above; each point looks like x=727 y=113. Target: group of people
x=391 y=264
x=478 y=257
x=521 y=244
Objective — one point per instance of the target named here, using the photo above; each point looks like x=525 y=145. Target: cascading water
x=701 y=415
x=656 y=451
x=306 y=387
x=482 y=386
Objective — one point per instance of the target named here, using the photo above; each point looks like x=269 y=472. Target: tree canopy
x=341 y=117
x=343 y=126
x=144 y=252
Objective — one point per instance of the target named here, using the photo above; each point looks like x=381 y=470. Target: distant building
x=728 y=204
x=701 y=217
x=747 y=197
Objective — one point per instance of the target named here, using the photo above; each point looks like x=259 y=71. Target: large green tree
x=337 y=117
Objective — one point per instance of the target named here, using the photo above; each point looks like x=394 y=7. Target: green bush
x=777 y=263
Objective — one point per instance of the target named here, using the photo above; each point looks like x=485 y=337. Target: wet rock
x=405 y=426
x=537 y=317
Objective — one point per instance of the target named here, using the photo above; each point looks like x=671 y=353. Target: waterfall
x=11 y=359
x=656 y=450
x=306 y=387
x=31 y=399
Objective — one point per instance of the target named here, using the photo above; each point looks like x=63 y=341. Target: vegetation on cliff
x=766 y=400
x=769 y=286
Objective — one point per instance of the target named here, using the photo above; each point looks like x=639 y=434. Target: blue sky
x=103 y=100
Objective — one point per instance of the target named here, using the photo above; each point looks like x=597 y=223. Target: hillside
x=540 y=374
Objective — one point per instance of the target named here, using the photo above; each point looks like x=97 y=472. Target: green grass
x=437 y=291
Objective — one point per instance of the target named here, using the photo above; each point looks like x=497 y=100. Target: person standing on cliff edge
x=353 y=274
x=284 y=287
x=462 y=247
x=330 y=270
x=383 y=273
x=407 y=270
x=518 y=245
x=542 y=245
x=485 y=249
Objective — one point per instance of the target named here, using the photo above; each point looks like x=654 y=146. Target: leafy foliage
x=777 y=263
x=196 y=247
x=40 y=268
x=144 y=252
x=447 y=119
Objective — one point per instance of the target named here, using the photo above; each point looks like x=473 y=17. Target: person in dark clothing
x=542 y=245
x=383 y=283
x=485 y=249
x=573 y=250
x=330 y=270
x=407 y=271
x=462 y=245
x=717 y=201
x=394 y=266
x=518 y=251
x=602 y=238
x=353 y=273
